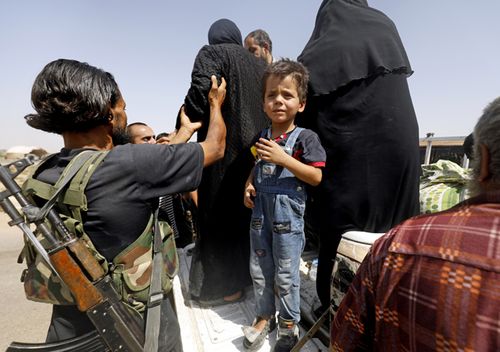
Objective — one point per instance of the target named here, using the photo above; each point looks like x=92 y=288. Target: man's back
x=432 y=283
x=125 y=187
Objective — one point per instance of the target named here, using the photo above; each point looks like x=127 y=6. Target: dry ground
x=20 y=319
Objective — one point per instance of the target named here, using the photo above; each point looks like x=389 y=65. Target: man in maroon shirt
x=433 y=282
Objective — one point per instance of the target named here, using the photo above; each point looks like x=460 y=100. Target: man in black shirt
x=84 y=105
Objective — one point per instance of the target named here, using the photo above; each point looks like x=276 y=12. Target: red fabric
x=430 y=284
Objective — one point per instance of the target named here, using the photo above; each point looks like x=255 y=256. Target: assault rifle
x=118 y=327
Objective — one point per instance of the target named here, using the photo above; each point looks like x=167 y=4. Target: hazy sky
x=150 y=46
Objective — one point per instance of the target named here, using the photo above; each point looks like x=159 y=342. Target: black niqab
x=367 y=41
x=224 y=31
x=360 y=105
x=219 y=265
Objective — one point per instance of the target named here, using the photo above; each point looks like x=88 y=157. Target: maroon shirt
x=430 y=284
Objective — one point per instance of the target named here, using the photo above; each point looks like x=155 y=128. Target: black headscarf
x=351 y=41
x=224 y=31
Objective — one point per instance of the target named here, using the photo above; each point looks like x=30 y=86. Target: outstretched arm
x=185 y=131
x=215 y=142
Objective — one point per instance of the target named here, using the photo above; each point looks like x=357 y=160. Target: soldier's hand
x=217 y=93
x=186 y=130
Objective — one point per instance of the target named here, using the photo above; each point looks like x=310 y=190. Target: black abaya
x=220 y=264
x=361 y=108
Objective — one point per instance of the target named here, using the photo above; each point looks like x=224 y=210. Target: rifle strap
x=155 y=292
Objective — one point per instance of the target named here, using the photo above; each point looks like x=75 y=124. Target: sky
x=150 y=46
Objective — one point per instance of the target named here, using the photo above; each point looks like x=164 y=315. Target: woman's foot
x=255 y=335
x=234 y=297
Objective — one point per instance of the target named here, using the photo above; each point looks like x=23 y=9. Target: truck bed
x=218 y=329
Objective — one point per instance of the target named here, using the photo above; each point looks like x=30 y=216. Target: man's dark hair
x=261 y=37
x=161 y=135
x=69 y=95
x=286 y=67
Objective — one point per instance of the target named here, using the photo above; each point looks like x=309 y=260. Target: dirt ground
x=20 y=319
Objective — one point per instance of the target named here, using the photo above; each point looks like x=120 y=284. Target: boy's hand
x=271 y=151
x=249 y=195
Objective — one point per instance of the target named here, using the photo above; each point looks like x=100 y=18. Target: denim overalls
x=277 y=236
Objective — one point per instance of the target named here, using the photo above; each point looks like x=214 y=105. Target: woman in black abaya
x=220 y=264
x=361 y=108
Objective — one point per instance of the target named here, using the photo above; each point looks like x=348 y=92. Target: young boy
x=288 y=158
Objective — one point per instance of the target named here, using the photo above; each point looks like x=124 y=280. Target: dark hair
x=261 y=37
x=161 y=135
x=69 y=95
x=286 y=67
x=487 y=133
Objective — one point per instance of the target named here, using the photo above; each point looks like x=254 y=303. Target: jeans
x=277 y=240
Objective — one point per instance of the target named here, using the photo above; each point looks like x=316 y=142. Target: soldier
x=83 y=104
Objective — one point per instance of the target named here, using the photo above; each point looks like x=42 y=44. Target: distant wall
x=18 y=153
x=452 y=153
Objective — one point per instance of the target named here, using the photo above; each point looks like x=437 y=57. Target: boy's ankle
x=286 y=323
x=288 y=335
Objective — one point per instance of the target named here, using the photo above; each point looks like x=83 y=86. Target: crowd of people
x=334 y=131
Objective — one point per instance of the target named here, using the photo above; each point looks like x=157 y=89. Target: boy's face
x=281 y=99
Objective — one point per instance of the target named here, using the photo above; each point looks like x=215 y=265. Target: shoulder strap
x=41 y=189
x=152 y=331
x=266 y=133
x=292 y=139
x=74 y=197
x=69 y=172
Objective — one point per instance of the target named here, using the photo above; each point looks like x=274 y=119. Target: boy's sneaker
x=288 y=335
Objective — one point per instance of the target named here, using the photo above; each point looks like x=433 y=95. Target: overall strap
x=288 y=148
x=266 y=133
x=292 y=139
x=290 y=142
